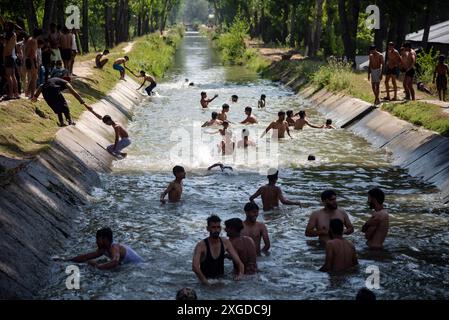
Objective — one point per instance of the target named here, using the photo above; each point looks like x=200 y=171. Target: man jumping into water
x=318 y=225
x=272 y=194
x=174 y=189
x=209 y=254
x=119 y=254
x=204 y=101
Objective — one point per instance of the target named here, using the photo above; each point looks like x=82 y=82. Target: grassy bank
x=28 y=128
x=232 y=47
x=422 y=114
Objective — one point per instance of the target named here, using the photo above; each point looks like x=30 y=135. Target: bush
x=335 y=75
x=426 y=65
x=232 y=43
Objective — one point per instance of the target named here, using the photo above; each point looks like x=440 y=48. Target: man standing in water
x=119 y=254
x=150 y=79
x=393 y=63
x=302 y=122
x=279 y=127
x=222 y=116
x=376 y=228
x=318 y=225
x=272 y=194
x=376 y=62
x=245 y=247
x=340 y=253
x=250 y=119
x=213 y=121
x=174 y=189
x=245 y=143
x=204 y=101
x=254 y=229
x=209 y=254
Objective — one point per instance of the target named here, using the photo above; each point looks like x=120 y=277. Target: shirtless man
x=245 y=143
x=279 y=127
x=254 y=229
x=120 y=65
x=99 y=61
x=244 y=245
x=31 y=62
x=290 y=118
x=318 y=225
x=250 y=119
x=66 y=43
x=393 y=63
x=174 y=189
x=302 y=122
x=209 y=254
x=262 y=102
x=10 y=43
x=222 y=116
x=340 y=253
x=376 y=62
x=213 y=121
x=55 y=38
x=376 y=228
x=204 y=101
x=408 y=65
x=227 y=145
x=328 y=124
x=235 y=98
x=150 y=79
x=118 y=253
x=440 y=75
x=272 y=194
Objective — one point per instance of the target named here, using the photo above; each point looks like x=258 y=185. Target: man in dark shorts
x=66 y=43
x=209 y=255
x=9 y=61
x=440 y=75
x=150 y=79
x=52 y=92
x=99 y=61
x=408 y=65
x=392 y=70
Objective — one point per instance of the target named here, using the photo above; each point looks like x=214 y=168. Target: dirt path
x=273 y=54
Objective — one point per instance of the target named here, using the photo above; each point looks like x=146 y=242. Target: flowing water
x=414 y=264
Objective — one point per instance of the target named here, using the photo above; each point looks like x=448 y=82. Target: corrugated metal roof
x=439 y=33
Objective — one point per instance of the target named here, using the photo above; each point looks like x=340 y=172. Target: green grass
x=28 y=128
x=422 y=114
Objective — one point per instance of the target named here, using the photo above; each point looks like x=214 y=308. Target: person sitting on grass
x=174 y=189
x=117 y=253
x=99 y=61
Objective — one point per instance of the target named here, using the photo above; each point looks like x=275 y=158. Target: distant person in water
x=328 y=124
x=376 y=228
x=117 y=253
x=244 y=245
x=209 y=254
x=279 y=127
x=311 y=158
x=120 y=65
x=302 y=122
x=272 y=194
x=174 y=189
x=340 y=253
x=222 y=116
x=365 y=295
x=250 y=119
x=52 y=91
x=245 y=142
x=150 y=79
x=227 y=145
x=204 y=101
x=290 y=118
x=262 y=102
x=440 y=76
x=100 y=61
x=318 y=225
x=221 y=166
x=254 y=229
x=235 y=99
x=213 y=121
x=186 y=294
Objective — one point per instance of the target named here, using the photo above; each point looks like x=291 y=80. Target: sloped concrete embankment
x=39 y=198
x=423 y=152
